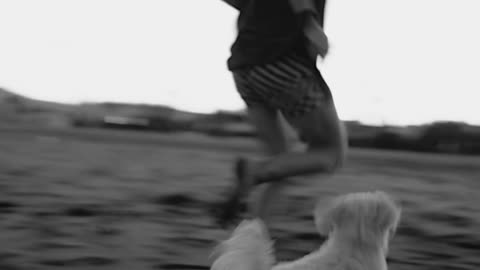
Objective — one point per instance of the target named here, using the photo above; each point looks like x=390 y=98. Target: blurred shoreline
x=26 y=113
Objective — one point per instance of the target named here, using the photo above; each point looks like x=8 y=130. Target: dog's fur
x=359 y=227
x=248 y=248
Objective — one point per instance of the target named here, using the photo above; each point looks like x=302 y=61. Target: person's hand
x=235 y=3
x=318 y=41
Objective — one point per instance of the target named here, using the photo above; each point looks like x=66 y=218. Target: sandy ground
x=124 y=200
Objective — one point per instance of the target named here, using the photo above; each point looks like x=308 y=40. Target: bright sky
x=396 y=62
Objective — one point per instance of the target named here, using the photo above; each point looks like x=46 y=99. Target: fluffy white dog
x=359 y=227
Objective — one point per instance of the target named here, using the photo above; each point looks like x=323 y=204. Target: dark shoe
x=229 y=211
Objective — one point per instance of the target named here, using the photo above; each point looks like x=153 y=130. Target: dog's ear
x=328 y=214
x=388 y=212
x=378 y=216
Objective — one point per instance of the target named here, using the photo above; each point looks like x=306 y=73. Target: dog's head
x=369 y=218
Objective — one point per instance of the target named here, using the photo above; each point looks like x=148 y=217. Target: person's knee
x=334 y=150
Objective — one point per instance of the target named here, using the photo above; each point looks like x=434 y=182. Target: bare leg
x=269 y=128
x=325 y=135
x=272 y=133
x=273 y=138
x=320 y=129
x=327 y=142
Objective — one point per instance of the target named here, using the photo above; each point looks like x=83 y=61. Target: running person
x=273 y=61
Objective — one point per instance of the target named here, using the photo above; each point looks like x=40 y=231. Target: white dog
x=359 y=227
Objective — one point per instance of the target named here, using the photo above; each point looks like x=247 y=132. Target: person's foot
x=228 y=212
x=235 y=203
x=243 y=176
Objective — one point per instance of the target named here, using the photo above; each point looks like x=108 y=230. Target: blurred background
x=119 y=122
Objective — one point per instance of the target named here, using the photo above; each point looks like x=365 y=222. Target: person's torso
x=267 y=31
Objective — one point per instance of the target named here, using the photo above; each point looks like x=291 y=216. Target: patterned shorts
x=290 y=85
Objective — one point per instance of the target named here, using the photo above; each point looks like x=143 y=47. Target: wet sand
x=126 y=200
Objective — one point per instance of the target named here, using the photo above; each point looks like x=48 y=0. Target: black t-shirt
x=267 y=31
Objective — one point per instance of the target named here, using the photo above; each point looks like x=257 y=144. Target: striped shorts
x=291 y=85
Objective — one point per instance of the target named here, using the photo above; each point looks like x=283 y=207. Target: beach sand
x=95 y=199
